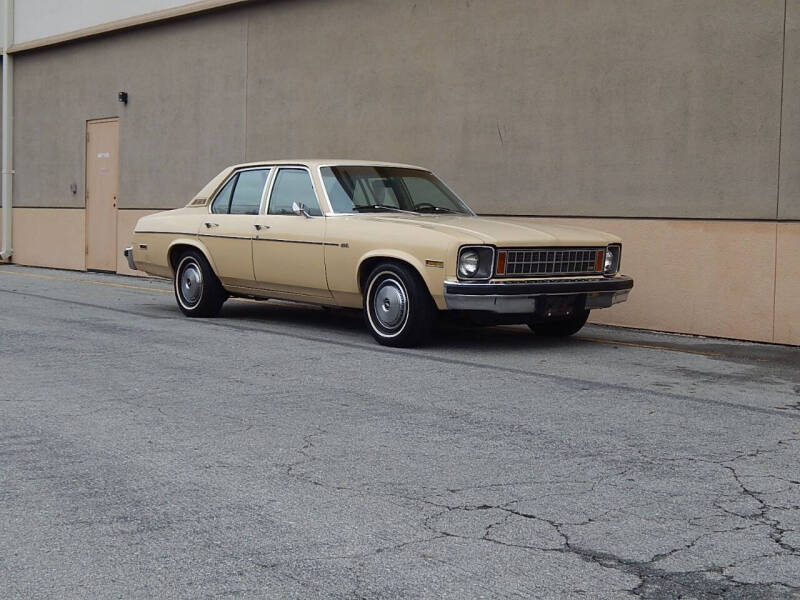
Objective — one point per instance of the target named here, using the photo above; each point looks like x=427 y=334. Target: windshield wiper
x=370 y=207
x=424 y=209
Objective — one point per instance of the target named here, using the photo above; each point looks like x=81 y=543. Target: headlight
x=475 y=262
x=468 y=265
x=611 y=262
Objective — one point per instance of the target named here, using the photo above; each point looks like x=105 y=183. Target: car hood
x=503 y=231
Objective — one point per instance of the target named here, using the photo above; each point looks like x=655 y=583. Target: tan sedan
x=389 y=238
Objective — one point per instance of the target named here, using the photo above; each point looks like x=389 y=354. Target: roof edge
x=122 y=24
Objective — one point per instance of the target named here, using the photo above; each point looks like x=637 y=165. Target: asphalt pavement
x=278 y=452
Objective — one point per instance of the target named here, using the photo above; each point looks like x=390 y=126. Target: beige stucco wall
x=654 y=108
x=789 y=207
x=610 y=107
x=182 y=124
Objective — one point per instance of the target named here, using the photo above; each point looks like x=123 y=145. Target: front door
x=289 y=249
x=228 y=229
x=102 y=169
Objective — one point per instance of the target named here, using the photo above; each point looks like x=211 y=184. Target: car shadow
x=350 y=324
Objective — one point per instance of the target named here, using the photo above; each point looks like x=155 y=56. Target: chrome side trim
x=295 y=242
x=190 y=233
x=227 y=237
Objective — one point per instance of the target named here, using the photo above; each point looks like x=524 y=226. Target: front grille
x=535 y=262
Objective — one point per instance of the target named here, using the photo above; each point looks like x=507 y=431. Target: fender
x=433 y=278
x=195 y=244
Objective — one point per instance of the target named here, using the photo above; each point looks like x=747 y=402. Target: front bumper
x=526 y=297
x=129 y=256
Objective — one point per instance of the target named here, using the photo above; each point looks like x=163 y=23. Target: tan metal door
x=289 y=249
x=102 y=170
x=229 y=238
x=289 y=255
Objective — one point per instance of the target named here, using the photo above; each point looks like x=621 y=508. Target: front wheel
x=197 y=289
x=562 y=327
x=398 y=308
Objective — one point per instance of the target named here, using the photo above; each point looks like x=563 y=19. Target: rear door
x=228 y=229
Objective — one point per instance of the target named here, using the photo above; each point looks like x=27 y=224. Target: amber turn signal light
x=501 y=262
x=600 y=260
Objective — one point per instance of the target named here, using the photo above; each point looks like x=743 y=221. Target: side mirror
x=300 y=209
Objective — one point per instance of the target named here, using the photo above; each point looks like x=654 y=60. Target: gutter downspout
x=8 y=132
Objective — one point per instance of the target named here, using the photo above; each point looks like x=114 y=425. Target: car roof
x=312 y=163
x=319 y=162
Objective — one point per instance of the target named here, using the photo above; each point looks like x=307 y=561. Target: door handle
x=210 y=225
x=259 y=227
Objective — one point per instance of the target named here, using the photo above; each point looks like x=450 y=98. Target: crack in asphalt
x=777 y=532
x=655 y=583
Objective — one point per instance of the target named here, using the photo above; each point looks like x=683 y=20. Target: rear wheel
x=197 y=289
x=398 y=308
x=562 y=327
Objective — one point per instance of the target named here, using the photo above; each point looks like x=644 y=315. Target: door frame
x=86 y=189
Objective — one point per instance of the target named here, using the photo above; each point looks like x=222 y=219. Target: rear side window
x=242 y=194
x=222 y=202
x=246 y=198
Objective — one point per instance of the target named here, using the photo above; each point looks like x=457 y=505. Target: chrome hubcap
x=390 y=304
x=191 y=284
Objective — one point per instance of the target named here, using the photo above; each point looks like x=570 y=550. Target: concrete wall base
x=734 y=279
x=50 y=237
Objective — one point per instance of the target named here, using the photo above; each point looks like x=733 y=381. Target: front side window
x=293 y=185
x=366 y=189
x=242 y=194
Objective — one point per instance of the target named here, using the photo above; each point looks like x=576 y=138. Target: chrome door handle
x=210 y=225
x=259 y=227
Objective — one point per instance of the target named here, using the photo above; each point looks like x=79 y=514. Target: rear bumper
x=523 y=297
x=129 y=256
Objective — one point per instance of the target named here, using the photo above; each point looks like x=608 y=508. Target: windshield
x=354 y=189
